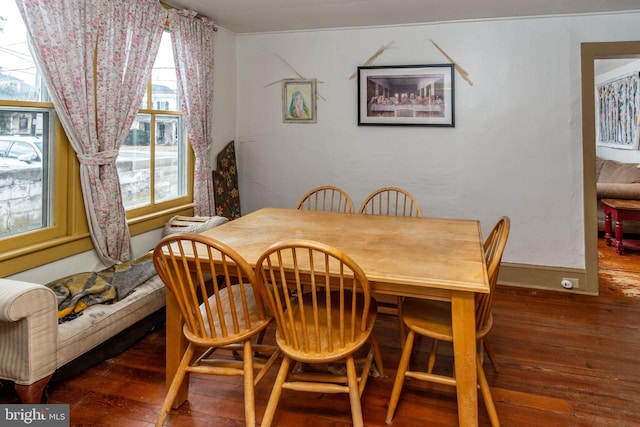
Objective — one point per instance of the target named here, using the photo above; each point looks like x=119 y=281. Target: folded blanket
x=79 y=291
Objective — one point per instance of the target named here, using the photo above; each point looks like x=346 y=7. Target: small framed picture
x=298 y=101
x=403 y=95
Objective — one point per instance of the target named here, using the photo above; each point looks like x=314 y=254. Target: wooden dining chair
x=326 y=198
x=391 y=201
x=324 y=314
x=215 y=289
x=433 y=319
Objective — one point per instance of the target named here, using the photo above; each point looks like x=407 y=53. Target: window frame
x=69 y=234
x=69 y=225
x=137 y=214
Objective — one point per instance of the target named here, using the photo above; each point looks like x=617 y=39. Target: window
x=42 y=217
x=26 y=174
x=27 y=134
x=155 y=174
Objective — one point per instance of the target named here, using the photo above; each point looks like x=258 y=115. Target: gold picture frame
x=298 y=101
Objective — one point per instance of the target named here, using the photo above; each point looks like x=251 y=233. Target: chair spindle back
x=195 y=269
x=312 y=289
x=391 y=201
x=493 y=249
x=327 y=198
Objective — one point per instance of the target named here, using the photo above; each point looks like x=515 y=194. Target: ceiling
x=256 y=16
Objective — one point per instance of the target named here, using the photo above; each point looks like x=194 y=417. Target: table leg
x=619 y=245
x=464 y=350
x=607 y=227
x=176 y=345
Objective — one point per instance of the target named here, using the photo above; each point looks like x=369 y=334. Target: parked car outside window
x=27 y=149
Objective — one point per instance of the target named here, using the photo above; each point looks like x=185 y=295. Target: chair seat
x=392 y=201
x=433 y=319
x=248 y=324
x=215 y=289
x=429 y=318
x=324 y=313
x=321 y=352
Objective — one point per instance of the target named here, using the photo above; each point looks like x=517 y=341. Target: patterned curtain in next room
x=193 y=53
x=96 y=57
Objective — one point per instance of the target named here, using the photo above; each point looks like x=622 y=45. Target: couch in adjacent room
x=617 y=180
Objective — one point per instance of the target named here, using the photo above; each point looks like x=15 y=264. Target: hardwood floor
x=565 y=360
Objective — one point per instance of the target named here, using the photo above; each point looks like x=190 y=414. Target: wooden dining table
x=434 y=258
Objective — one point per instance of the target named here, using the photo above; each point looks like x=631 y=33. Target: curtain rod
x=215 y=27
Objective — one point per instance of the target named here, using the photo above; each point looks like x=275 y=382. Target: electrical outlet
x=569 y=283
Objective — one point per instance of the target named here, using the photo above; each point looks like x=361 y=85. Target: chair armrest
x=618 y=191
x=28 y=331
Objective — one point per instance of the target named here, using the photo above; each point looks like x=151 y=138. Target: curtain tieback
x=98 y=159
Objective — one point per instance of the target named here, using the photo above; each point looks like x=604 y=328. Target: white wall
x=516 y=148
x=224 y=91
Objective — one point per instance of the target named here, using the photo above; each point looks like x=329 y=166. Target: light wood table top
x=410 y=253
x=405 y=256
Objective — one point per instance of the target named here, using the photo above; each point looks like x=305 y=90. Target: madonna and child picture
x=299 y=101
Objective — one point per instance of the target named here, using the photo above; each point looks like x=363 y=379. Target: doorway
x=590 y=52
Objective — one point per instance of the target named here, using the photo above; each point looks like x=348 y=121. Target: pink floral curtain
x=193 y=53
x=96 y=58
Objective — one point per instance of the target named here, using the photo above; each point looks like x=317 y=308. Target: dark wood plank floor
x=566 y=360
